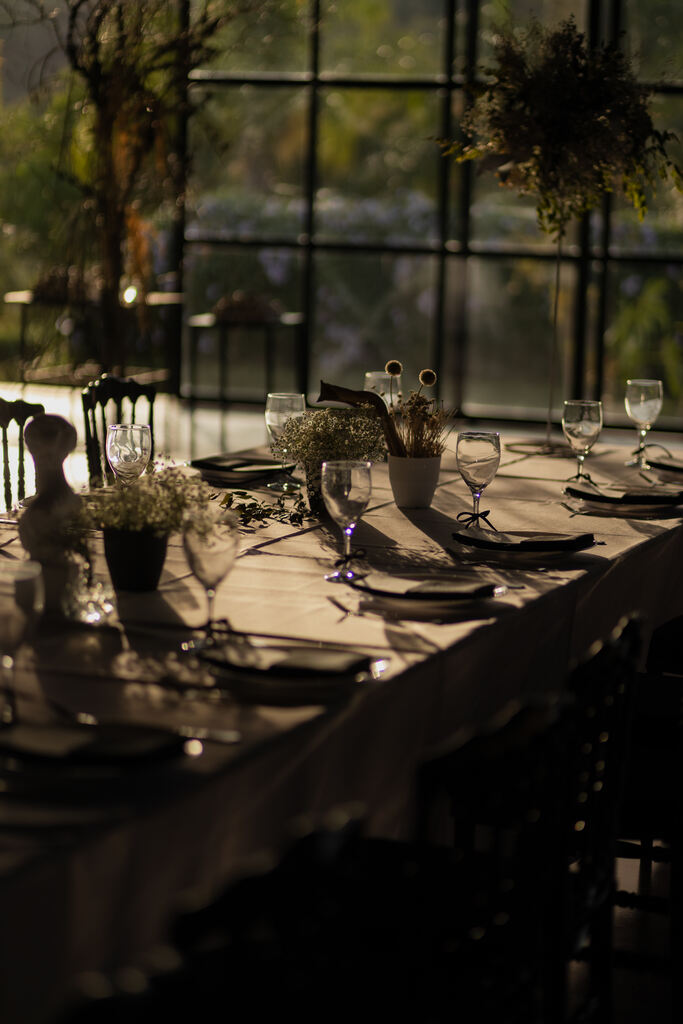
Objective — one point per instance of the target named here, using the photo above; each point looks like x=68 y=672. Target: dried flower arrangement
x=416 y=427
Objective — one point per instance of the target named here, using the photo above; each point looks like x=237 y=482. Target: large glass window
x=319 y=184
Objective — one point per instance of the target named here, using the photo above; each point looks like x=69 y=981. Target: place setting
x=636 y=496
x=412 y=592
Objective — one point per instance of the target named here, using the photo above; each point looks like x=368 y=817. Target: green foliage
x=290 y=509
x=565 y=123
x=642 y=340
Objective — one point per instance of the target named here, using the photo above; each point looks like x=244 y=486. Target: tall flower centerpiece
x=329 y=434
x=415 y=433
x=567 y=123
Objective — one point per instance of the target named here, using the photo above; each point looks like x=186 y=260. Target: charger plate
x=519 y=545
x=290 y=678
x=231 y=470
x=630 y=501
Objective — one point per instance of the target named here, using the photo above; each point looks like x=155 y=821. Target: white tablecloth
x=105 y=897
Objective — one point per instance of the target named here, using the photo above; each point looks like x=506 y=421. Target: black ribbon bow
x=472 y=518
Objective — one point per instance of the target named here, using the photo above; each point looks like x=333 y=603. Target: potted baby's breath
x=415 y=432
x=324 y=434
x=136 y=520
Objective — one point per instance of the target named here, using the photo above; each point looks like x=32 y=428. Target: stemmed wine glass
x=210 y=555
x=280 y=407
x=643 y=401
x=346 y=489
x=22 y=598
x=128 y=448
x=581 y=423
x=477 y=455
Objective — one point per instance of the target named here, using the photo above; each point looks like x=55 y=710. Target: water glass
x=346 y=489
x=280 y=407
x=22 y=599
x=210 y=555
x=383 y=384
x=643 y=401
x=477 y=455
x=128 y=450
x=581 y=423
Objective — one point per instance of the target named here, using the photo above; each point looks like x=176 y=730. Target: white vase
x=413 y=481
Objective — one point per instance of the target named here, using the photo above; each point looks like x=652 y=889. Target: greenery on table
x=250 y=511
x=566 y=123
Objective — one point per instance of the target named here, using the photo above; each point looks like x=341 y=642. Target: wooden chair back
x=111 y=400
x=18 y=412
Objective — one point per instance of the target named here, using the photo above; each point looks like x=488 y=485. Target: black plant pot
x=135 y=558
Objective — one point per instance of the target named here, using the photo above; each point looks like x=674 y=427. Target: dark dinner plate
x=229 y=469
x=647 y=497
x=440 y=591
x=92 y=746
x=302 y=675
x=523 y=540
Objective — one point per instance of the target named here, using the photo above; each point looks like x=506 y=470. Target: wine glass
x=210 y=555
x=643 y=401
x=383 y=384
x=280 y=407
x=477 y=454
x=22 y=599
x=581 y=423
x=346 y=489
x=129 y=446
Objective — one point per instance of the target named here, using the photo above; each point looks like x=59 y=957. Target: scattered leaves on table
x=290 y=509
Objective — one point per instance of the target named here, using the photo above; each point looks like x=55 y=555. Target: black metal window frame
x=591 y=261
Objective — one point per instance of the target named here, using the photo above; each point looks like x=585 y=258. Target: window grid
x=592 y=261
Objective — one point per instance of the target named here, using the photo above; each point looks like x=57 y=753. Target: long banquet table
x=99 y=892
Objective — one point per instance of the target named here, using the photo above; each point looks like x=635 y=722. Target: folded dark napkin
x=230 y=469
x=670 y=465
x=89 y=745
x=523 y=540
x=427 y=590
x=297 y=662
x=629 y=496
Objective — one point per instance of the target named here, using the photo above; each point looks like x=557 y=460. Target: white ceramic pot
x=413 y=481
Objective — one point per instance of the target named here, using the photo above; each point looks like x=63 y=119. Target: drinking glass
x=210 y=556
x=581 y=423
x=346 y=489
x=129 y=446
x=280 y=407
x=643 y=401
x=477 y=455
x=22 y=598
x=383 y=384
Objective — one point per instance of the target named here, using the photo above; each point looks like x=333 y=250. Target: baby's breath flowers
x=325 y=434
x=322 y=434
x=160 y=501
